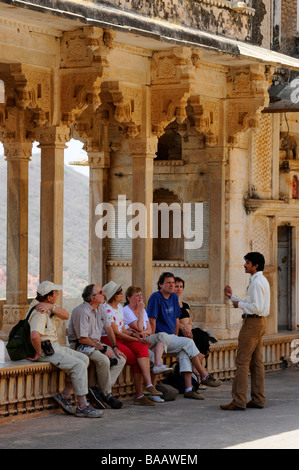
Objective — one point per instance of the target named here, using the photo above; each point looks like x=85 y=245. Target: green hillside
x=76 y=221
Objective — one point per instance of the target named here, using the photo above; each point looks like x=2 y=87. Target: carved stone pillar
x=98 y=193
x=52 y=144
x=17 y=156
x=216 y=309
x=143 y=152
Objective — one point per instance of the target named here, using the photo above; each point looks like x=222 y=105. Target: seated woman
x=136 y=319
x=134 y=348
x=201 y=338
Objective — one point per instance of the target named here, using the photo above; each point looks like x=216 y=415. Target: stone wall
x=288 y=26
x=207 y=15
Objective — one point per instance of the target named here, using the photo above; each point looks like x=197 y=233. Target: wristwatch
x=52 y=311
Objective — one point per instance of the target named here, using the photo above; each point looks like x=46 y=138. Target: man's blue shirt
x=165 y=311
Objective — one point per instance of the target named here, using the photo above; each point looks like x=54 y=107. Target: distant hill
x=76 y=231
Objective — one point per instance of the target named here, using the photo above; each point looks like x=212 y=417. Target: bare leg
x=68 y=389
x=198 y=366
x=138 y=384
x=144 y=366
x=158 y=350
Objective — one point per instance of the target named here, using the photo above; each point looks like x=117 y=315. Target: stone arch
x=170 y=143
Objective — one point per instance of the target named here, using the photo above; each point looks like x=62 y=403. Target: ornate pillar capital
x=14 y=150
x=98 y=159
x=53 y=137
x=146 y=147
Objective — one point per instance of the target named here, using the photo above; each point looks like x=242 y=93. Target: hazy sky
x=73 y=152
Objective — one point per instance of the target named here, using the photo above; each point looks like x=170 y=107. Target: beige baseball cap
x=47 y=286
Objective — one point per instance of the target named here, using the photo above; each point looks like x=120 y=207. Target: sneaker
x=201 y=387
x=161 y=370
x=88 y=412
x=143 y=401
x=96 y=397
x=151 y=390
x=156 y=398
x=65 y=404
x=112 y=401
x=210 y=381
x=194 y=395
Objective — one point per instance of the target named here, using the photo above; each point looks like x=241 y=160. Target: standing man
x=164 y=312
x=256 y=307
x=87 y=323
x=43 y=323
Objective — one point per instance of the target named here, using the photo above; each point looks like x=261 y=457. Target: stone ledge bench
x=28 y=387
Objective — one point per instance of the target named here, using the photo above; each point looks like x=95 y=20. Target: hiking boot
x=151 y=390
x=65 y=404
x=143 y=401
x=210 y=381
x=88 y=412
x=97 y=398
x=194 y=395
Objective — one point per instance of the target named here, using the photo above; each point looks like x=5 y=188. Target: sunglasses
x=100 y=292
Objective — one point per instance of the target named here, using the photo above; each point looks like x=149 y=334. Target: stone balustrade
x=27 y=388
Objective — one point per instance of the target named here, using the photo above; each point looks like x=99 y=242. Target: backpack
x=19 y=344
x=176 y=380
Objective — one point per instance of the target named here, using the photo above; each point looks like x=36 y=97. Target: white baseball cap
x=47 y=286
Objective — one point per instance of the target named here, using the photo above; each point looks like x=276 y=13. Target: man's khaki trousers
x=250 y=358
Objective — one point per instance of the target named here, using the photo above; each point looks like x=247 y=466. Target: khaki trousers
x=101 y=374
x=250 y=358
x=73 y=363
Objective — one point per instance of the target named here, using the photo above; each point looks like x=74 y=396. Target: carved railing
x=27 y=388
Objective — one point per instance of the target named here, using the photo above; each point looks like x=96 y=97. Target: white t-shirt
x=130 y=317
x=115 y=315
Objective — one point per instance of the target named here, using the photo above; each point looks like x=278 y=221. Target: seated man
x=88 y=320
x=43 y=323
x=164 y=312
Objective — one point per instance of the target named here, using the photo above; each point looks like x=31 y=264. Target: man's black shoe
x=97 y=398
x=112 y=401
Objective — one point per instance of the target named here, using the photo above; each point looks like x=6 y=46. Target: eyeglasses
x=100 y=292
x=118 y=292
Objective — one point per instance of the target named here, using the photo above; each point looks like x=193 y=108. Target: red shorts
x=131 y=349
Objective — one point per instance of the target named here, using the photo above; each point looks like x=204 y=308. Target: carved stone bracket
x=84 y=65
x=247 y=97
x=173 y=79
x=126 y=102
